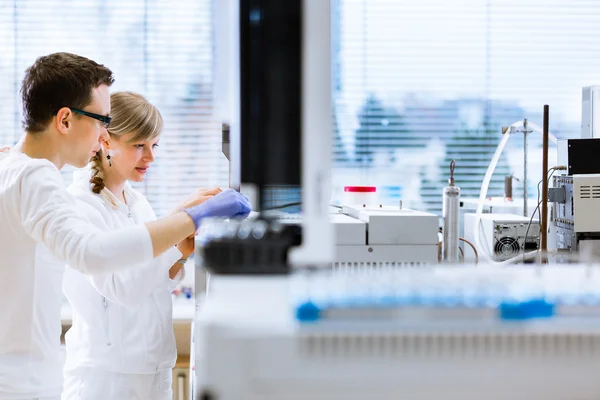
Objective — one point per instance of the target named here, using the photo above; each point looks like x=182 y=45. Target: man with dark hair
x=66 y=94
x=43 y=95
x=66 y=108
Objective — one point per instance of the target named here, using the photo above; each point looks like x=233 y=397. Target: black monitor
x=271 y=93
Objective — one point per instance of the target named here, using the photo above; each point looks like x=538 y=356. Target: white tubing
x=483 y=193
x=484 y=189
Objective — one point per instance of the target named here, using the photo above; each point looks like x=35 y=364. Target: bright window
x=162 y=49
x=420 y=82
x=416 y=83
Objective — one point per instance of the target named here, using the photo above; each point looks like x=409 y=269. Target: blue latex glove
x=227 y=204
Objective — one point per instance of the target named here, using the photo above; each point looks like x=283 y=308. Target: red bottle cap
x=360 y=189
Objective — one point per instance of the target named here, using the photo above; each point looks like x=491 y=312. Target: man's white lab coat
x=38 y=216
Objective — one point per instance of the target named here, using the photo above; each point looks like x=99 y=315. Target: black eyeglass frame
x=102 y=118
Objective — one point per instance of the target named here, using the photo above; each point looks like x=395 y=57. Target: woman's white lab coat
x=121 y=342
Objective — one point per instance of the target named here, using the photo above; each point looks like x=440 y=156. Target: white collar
x=130 y=196
x=81 y=178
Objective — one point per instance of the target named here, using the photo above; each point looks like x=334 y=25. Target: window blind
x=418 y=83
x=162 y=49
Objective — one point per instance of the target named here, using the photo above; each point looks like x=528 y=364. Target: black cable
x=537 y=209
x=554 y=169
x=288 y=205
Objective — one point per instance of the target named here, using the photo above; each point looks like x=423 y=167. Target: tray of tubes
x=447 y=294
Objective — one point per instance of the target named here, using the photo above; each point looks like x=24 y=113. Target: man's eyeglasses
x=102 y=118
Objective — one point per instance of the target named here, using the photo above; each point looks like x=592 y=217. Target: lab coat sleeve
x=50 y=216
x=149 y=215
x=132 y=286
x=128 y=288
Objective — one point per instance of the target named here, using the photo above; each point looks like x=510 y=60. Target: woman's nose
x=149 y=155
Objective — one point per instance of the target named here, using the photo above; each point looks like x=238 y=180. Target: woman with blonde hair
x=121 y=344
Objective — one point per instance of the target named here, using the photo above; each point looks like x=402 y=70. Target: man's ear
x=64 y=120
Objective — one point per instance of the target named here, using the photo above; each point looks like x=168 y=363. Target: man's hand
x=4 y=149
x=197 y=197
x=227 y=204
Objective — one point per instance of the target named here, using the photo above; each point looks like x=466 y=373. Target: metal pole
x=544 y=237
x=525 y=170
x=451 y=213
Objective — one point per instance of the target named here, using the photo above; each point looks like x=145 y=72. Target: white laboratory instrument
x=576 y=200
x=253 y=347
x=385 y=234
x=590 y=112
x=491 y=205
x=425 y=333
x=504 y=236
x=380 y=235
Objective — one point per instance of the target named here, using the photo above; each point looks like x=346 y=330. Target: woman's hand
x=175 y=270
x=4 y=149
x=197 y=197
x=186 y=246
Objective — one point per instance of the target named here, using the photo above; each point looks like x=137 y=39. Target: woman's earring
x=108 y=159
